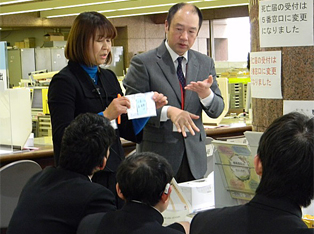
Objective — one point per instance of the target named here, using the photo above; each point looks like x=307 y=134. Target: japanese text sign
x=265 y=73
x=286 y=23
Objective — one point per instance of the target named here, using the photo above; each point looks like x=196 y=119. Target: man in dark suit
x=143 y=181
x=56 y=199
x=177 y=132
x=285 y=162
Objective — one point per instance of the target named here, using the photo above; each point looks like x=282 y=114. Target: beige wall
x=142 y=35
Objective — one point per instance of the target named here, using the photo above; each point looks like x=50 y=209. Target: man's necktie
x=180 y=72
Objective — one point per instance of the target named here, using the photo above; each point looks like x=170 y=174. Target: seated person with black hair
x=143 y=181
x=285 y=163
x=56 y=199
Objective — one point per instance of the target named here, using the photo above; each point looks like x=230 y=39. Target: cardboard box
x=53 y=37
x=200 y=193
x=29 y=42
x=55 y=43
x=19 y=44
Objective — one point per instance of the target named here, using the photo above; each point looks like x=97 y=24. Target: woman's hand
x=117 y=107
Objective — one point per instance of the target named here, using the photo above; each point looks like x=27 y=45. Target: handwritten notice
x=142 y=105
x=286 y=23
x=265 y=73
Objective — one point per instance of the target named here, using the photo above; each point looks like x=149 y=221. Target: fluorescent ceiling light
x=28 y=11
x=88 y=4
x=122 y=9
x=12 y=2
x=56 y=16
x=135 y=14
x=230 y=5
x=56 y=8
x=143 y=7
x=118 y=8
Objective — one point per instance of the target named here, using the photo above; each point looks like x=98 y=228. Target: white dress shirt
x=205 y=101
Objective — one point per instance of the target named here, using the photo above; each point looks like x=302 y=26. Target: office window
x=231 y=39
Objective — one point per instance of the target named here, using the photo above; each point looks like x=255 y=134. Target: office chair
x=13 y=177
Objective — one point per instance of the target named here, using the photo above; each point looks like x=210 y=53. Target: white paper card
x=142 y=105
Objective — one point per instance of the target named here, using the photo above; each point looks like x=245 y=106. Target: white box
x=200 y=193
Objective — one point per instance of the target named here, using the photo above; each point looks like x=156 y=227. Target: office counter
x=44 y=152
x=225 y=132
x=43 y=155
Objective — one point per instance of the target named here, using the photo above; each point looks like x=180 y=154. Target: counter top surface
x=43 y=147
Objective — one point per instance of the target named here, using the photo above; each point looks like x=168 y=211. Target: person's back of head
x=143 y=177
x=85 y=143
x=286 y=151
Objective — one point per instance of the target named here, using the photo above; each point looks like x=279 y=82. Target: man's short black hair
x=143 y=177
x=85 y=143
x=286 y=150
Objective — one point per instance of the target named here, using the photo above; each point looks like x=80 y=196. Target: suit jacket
x=261 y=215
x=133 y=218
x=72 y=92
x=55 y=200
x=155 y=71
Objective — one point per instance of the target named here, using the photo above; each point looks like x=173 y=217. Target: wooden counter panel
x=222 y=132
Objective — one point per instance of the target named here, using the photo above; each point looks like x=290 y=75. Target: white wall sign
x=265 y=72
x=286 y=23
x=305 y=107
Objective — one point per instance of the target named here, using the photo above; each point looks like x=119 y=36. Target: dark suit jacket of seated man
x=56 y=199
x=143 y=181
x=284 y=161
